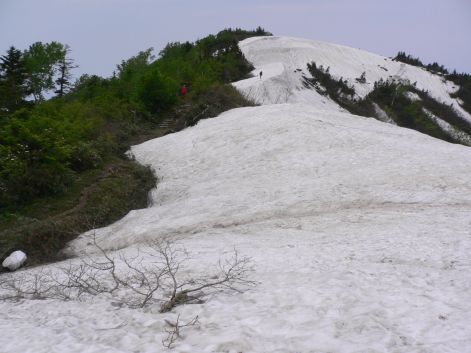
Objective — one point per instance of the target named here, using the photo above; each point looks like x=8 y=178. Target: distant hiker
x=183 y=91
x=261 y=73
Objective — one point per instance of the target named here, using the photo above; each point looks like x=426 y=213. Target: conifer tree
x=64 y=67
x=13 y=75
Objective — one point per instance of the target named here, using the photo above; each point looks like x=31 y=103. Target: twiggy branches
x=232 y=275
x=153 y=275
x=173 y=330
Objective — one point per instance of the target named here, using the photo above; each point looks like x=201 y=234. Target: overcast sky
x=101 y=33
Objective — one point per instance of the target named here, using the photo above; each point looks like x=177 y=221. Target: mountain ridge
x=284 y=61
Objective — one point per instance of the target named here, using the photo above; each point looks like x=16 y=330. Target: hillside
x=425 y=101
x=60 y=157
x=357 y=232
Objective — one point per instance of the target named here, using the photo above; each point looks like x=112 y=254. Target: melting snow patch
x=457 y=134
x=382 y=115
x=413 y=96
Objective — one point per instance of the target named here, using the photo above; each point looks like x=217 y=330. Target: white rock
x=15 y=260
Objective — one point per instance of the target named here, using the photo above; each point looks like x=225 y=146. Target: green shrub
x=391 y=96
x=34 y=157
x=84 y=156
x=208 y=104
x=156 y=91
x=408 y=59
x=464 y=91
x=326 y=84
x=122 y=186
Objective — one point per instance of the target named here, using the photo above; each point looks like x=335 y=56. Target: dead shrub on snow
x=153 y=275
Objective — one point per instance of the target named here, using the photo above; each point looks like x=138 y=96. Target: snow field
x=357 y=280
x=252 y=164
x=358 y=230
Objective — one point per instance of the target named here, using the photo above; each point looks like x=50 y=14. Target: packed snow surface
x=359 y=233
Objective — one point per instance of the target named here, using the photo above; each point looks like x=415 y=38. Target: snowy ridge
x=359 y=230
x=284 y=60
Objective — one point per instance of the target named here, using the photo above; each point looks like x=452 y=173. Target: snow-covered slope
x=359 y=231
x=284 y=60
x=255 y=164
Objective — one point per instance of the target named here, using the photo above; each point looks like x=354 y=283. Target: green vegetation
x=337 y=90
x=50 y=149
x=13 y=85
x=409 y=59
x=464 y=91
x=95 y=199
x=463 y=80
x=392 y=97
x=326 y=84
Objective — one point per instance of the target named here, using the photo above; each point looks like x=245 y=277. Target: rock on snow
x=15 y=260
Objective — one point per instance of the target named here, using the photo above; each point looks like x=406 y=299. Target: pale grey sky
x=101 y=33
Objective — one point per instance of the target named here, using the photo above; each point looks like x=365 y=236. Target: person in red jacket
x=183 y=91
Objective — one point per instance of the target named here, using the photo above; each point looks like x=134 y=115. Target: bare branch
x=233 y=274
x=173 y=332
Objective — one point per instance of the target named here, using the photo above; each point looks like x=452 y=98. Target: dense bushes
x=326 y=84
x=337 y=89
x=464 y=91
x=104 y=196
x=38 y=149
x=209 y=103
x=213 y=59
x=392 y=97
x=156 y=92
x=408 y=59
x=461 y=79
